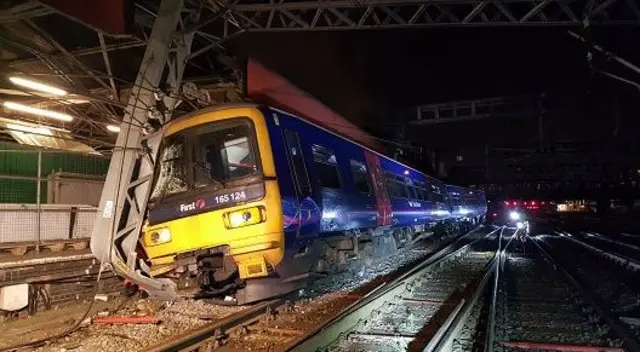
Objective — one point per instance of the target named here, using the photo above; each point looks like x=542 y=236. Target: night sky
x=366 y=74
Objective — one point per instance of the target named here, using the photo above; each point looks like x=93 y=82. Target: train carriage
x=252 y=200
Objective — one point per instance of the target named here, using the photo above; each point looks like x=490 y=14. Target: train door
x=307 y=209
x=382 y=197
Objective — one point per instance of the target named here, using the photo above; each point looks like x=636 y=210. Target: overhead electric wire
x=607 y=53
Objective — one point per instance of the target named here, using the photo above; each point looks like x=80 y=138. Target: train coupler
x=217 y=275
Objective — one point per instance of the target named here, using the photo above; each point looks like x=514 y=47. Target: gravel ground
x=177 y=318
x=328 y=295
x=353 y=280
x=615 y=284
x=537 y=303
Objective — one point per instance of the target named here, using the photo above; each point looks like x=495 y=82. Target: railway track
x=283 y=323
x=539 y=307
x=610 y=276
x=531 y=296
x=410 y=312
x=623 y=249
x=535 y=304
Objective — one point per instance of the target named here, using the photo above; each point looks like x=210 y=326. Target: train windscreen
x=206 y=156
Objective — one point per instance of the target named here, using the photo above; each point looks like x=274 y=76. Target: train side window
x=426 y=190
x=422 y=193
x=404 y=188
x=297 y=162
x=388 y=179
x=360 y=177
x=392 y=186
x=437 y=197
x=411 y=189
x=326 y=166
x=417 y=190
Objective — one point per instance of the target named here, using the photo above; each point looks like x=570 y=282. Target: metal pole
x=128 y=183
x=38 y=191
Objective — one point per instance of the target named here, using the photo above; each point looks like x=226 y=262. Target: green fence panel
x=25 y=164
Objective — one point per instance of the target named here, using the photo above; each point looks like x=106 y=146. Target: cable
x=71 y=329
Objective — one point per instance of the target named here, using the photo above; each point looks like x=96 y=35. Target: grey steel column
x=128 y=183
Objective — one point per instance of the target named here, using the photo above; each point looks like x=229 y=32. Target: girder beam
x=466 y=110
x=373 y=14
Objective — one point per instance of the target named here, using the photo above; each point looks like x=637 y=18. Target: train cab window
x=360 y=177
x=223 y=154
x=172 y=175
x=326 y=167
x=207 y=155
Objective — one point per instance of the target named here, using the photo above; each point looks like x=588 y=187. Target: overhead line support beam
x=375 y=14
x=123 y=204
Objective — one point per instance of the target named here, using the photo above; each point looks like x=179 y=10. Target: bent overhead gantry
x=123 y=203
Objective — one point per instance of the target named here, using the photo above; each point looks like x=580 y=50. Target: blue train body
x=328 y=186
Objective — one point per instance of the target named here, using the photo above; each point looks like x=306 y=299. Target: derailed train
x=251 y=201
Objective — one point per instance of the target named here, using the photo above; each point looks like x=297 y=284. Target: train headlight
x=514 y=215
x=244 y=217
x=158 y=236
x=520 y=225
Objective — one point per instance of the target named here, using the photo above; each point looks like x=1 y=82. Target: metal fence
x=47 y=222
x=48 y=195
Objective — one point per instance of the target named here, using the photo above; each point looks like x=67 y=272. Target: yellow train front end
x=215 y=215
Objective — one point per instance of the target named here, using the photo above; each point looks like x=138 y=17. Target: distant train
x=250 y=201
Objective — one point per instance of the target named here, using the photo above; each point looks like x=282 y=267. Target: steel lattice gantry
x=258 y=16
x=127 y=187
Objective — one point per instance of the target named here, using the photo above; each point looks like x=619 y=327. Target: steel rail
x=630 y=341
x=612 y=241
x=444 y=336
x=442 y=340
x=619 y=257
x=194 y=339
x=491 y=324
x=346 y=320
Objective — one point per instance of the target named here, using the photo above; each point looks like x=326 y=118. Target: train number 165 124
x=231 y=197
